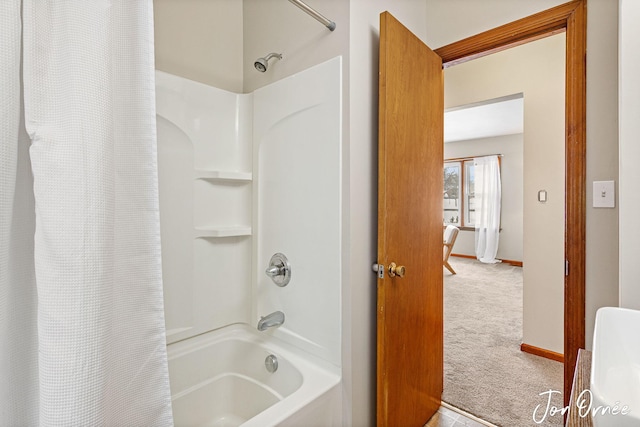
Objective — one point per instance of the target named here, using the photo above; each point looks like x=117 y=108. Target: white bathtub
x=220 y=379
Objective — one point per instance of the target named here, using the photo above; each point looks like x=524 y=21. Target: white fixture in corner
x=615 y=368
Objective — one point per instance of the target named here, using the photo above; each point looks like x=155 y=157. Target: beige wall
x=200 y=40
x=449 y=21
x=511 y=172
x=537 y=70
x=279 y=26
x=602 y=157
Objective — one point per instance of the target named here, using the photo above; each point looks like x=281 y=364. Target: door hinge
x=379 y=269
x=566 y=267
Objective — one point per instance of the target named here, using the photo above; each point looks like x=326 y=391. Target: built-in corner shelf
x=223 y=176
x=237 y=195
x=215 y=232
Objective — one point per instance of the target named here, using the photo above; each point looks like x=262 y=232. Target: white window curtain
x=82 y=340
x=488 y=193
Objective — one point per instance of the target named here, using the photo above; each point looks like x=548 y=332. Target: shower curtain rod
x=315 y=14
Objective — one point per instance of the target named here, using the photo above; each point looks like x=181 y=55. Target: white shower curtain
x=82 y=339
x=488 y=195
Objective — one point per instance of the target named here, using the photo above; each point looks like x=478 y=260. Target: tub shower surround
x=243 y=177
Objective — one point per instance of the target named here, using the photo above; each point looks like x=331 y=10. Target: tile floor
x=448 y=416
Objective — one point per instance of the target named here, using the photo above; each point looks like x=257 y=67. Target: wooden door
x=410 y=188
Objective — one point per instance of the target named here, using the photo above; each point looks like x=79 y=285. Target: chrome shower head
x=262 y=64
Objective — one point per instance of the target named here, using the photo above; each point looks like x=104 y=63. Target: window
x=452 y=193
x=459 y=196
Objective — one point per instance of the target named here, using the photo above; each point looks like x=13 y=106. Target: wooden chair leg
x=448 y=267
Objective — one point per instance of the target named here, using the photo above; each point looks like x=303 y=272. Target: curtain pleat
x=488 y=195
x=83 y=289
x=19 y=393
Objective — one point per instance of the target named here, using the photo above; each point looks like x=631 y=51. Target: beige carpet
x=486 y=374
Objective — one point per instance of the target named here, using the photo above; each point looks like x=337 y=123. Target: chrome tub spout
x=271 y=320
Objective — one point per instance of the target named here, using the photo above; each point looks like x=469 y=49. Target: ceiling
x=495 y=117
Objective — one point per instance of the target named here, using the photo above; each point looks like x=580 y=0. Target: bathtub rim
x=319 y=377
x=241 y=330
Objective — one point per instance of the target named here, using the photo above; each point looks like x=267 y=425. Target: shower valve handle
x=275 y=270
x=279 y=270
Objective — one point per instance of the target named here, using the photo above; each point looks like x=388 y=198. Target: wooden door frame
x=570 y=18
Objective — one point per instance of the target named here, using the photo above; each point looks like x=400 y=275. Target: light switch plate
x=542 y=196
x=604 y=194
